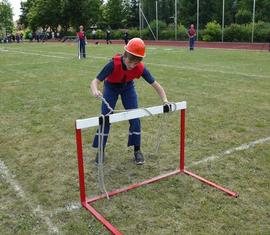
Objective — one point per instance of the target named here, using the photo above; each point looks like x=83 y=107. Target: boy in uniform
x=82 y=41
x=192 y=36
x=118 y=76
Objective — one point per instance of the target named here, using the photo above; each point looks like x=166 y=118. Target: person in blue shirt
x=118 y=77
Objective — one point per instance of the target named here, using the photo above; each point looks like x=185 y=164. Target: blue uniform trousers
x=82 y=48
x=191 y=43
x=130 y=101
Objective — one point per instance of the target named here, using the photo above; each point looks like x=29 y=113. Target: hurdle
x=123 y=116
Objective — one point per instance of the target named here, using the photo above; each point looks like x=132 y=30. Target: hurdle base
x=87 y=204
x=210 y=183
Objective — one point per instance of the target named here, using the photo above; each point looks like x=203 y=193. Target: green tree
x=81 y=12
x=6 y=21
x=25 y=9
x=44 y=14
x=130 y=13
x=114 y=13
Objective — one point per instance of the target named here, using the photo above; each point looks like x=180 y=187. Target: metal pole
x=142 y=14
x=253 y=20
x=157 y=19
x=80 y=165
x=223 y=9
x=198 y=12
x=140 y=19
x=175 y=18
x=182 y=140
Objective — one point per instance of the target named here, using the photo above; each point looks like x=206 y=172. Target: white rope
x=101 y=157
x=101 y=139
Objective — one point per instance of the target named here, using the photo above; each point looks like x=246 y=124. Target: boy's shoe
x=96 y=160
x=138 y=157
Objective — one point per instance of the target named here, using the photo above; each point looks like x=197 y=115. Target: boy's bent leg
x=111 y=97
x=134 y=137
x=130 y=101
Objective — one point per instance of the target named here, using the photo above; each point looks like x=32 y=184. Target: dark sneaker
x=96 y=160
x=138 y=158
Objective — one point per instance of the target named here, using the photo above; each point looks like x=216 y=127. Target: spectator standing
x=192 y=36
x=82 y=41
x=17 y=37
x=94 y=35
x=108 y=36
x=30 y=36
x=126 y=37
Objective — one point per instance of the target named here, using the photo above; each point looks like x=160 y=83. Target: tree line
x=123 y=14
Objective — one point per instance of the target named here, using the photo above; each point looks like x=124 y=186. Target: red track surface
x=201 y=44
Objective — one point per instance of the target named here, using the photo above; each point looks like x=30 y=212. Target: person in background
x=108 y=36
x=118 y=77
x=82 y=40
x=192 y=37
x=126 y=37
x=94 y=33
x=30 y=36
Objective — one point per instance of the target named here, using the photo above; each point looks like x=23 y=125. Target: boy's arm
x=105 y=72
x=94 y=88
x=159 y=89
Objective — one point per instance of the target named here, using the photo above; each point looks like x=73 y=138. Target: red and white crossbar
x=117 y=117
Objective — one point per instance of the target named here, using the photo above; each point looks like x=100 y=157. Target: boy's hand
x=166 y=107
x=97 y=93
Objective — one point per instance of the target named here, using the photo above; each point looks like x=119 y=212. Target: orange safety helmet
x=136 y=47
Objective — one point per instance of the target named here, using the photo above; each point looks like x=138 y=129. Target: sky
x=15 y=4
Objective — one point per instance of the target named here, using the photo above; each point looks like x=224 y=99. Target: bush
x=167 y=35
x=212 y=32
x=26 y=33
x=183 y=32
x=161 y=25
x=134 y=33
x=117 y=34
x=237 y=33
x=243 y=16
x=261 y=32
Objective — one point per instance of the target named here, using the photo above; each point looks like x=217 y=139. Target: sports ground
x=45 y=88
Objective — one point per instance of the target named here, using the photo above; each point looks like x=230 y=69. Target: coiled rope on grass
x=101 y=139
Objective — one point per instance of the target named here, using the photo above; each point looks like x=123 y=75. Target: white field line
x=207 y=70
x=37 y=210
x=76 y=206
x=153 y=64
x=37 y=54
x=39 y=63
x=232 y=150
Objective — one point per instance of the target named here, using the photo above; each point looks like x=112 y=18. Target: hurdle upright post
x=80 y=165
x=182 y=140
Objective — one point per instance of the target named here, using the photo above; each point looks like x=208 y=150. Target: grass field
x=44 y=88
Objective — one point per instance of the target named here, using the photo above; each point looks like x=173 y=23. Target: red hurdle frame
x=86 y=202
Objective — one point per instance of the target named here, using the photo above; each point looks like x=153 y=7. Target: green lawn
x=45 y=88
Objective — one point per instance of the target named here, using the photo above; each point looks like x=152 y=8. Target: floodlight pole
x=175 y=19
x=253 y=21
x=223 y=10
x=198 y=12
x=156 y=19
x=140 y=19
